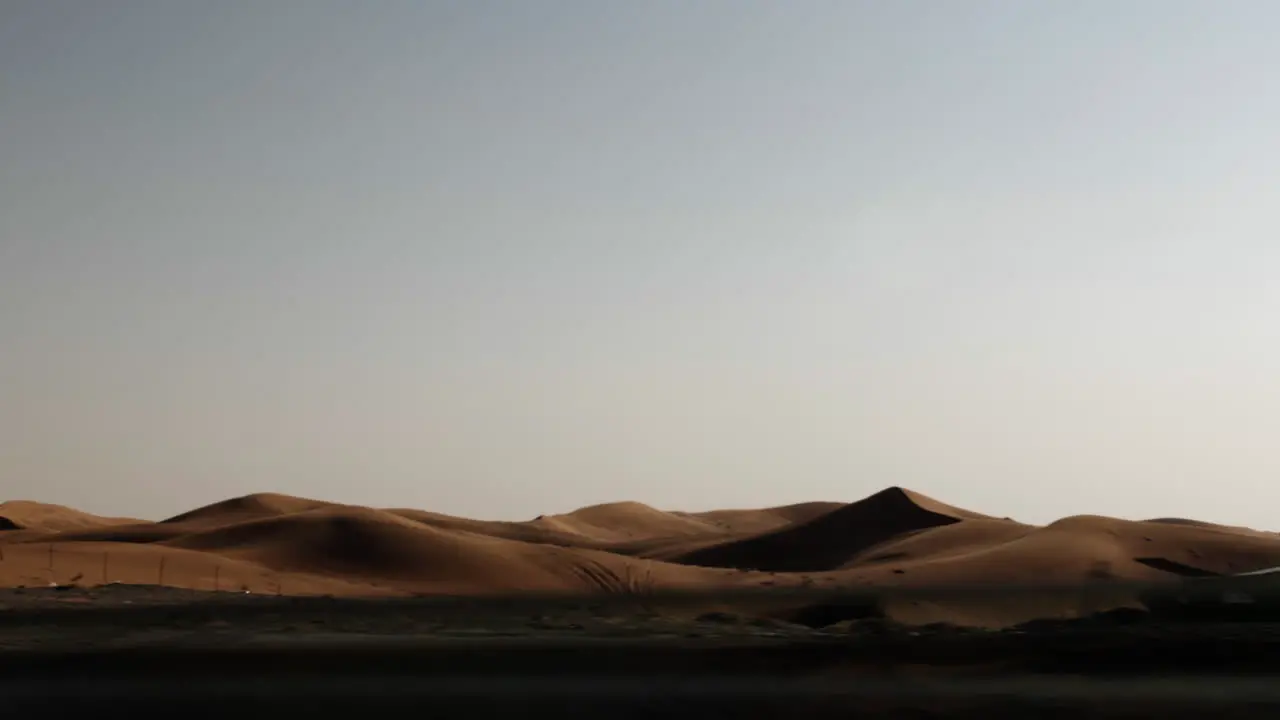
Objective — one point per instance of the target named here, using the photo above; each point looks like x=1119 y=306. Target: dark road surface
x=285 y=658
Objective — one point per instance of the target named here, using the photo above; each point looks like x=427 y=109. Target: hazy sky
x=508 y=258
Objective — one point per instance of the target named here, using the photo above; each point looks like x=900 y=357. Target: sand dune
x=1068 y=551
x=1065 y=551
x=766 y=519
x=942 y=543
x=529 y=531
x=379 y=546
x=46 y=517
x=717 y=527
x=625 y=521
x=331 y=548
x=1179 y=521
x=1209 y=525
x=272 y=543
x=831 y=540
x=248 y=507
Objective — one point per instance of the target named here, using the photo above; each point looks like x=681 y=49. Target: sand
x=277 y=544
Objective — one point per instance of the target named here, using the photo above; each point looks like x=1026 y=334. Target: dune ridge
x=762 y=520
x=47 y=517
x=275 y=543
x=246 y=507
x=623 y=521
x=832 y=539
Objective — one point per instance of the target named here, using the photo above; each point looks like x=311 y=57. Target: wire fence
x=53 y=565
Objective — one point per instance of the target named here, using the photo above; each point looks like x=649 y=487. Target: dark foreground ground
x=153 y=651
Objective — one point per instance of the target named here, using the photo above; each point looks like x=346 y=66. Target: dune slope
x=831 y=540
x=246 y=507
x=766 y=519
x=377 y=546
x=47 y=517
x=624 y=521
x=528 y=531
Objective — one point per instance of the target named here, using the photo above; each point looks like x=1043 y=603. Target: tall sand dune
x=831 y=540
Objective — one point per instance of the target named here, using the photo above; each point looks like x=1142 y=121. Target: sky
x=501 y=259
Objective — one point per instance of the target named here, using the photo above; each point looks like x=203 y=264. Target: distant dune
x=763 y=520
x=44 y=517
x=249 y=507
x=626 y=521
x=832 y=539
x=271 y=543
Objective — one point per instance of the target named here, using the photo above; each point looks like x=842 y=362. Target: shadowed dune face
x=1179 y=521
x=281 y=544
x=759 y=521
x=832 y=539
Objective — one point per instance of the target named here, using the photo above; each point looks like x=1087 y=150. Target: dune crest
x=624 y=521
x=525 y=531
x=764 y=519
x=833 y=539
x=47 y=517
x=247 y=507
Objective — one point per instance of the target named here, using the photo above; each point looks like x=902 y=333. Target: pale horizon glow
x=502 y=259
